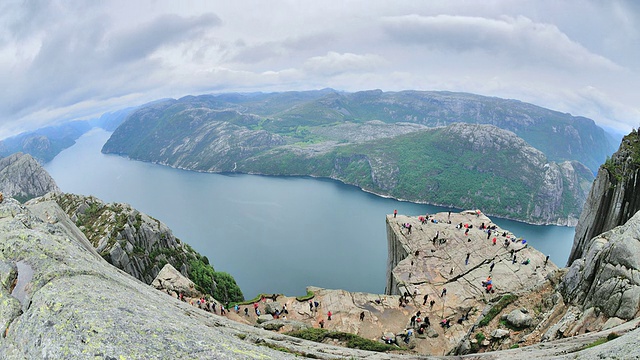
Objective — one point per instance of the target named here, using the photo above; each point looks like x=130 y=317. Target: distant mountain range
x=45 y=143
x=511 y=159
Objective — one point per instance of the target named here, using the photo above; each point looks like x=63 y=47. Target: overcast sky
x=63 y=60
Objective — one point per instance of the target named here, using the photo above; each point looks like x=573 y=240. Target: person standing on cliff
x=546 y=260
x=329 y=315
x=491 y=267
x=362 y=316
x=395 y=213
x=424 y=299
x=444 y=292
x=431 y=304
x=466 y=261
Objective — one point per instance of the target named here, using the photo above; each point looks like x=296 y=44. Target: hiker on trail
x=413 y=321
x=316 y=304
x=466 y=232
x=444 y=292
x=488 y=234
x=431 y=304
x=491 y=267
x=362 y=316
x=466 y=261
x=237 y=308
x=246 y=311
x=546 y=260
x=424 y=298
x=310 y=305
x=321 y=323
x=284 y=309
x=514 y=260
x=449 y=216
x=409 y=227
x=418 y=314
x=395 y=213
x=329 y=315
x=494 y=241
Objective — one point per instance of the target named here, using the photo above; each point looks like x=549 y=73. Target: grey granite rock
x=519 y=319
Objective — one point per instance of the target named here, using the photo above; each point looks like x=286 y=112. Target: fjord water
x=273 y=234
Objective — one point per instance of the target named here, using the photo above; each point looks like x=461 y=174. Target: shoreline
x=447 y=207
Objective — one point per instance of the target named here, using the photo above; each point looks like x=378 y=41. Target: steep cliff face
x=607 y=276
x=137 y=243
x=614 y=197
x=22 y=177
x=398 y=250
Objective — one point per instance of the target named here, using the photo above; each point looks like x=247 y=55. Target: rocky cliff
x=22 y=177
x=60 y=299
x=614 y=197
x=139 y=244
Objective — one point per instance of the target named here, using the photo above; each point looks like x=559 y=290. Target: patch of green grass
x=480 y=337
x=310 y=295
x=497 y=308
x=351 y=340
x=601 y=341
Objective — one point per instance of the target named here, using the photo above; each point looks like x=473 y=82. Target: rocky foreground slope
x=60 y=299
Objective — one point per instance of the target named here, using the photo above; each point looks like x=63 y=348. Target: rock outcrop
x=55 y=288
x=23 y=178
x=61 y=300
x=614 y=197
x=173 y=282
x=128 y=239
x=139 y=244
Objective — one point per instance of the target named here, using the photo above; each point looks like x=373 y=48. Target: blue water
x=273 y=234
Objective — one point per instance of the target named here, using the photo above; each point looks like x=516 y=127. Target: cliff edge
x=614 y=197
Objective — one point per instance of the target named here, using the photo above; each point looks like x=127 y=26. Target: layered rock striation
x=22 y=177
x=614 y=197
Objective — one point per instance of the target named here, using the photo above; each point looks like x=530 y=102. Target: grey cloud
x=139 y=42
x=518 y=38
x=268 y=50
x=335 y=63
x=83 y=60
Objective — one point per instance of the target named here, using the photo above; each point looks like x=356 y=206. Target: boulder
x=612 y=322
x=264 y=318
x=171 y=279
x=519 y=319
x=499 y=333
x=272 y=307
x=432 y=333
